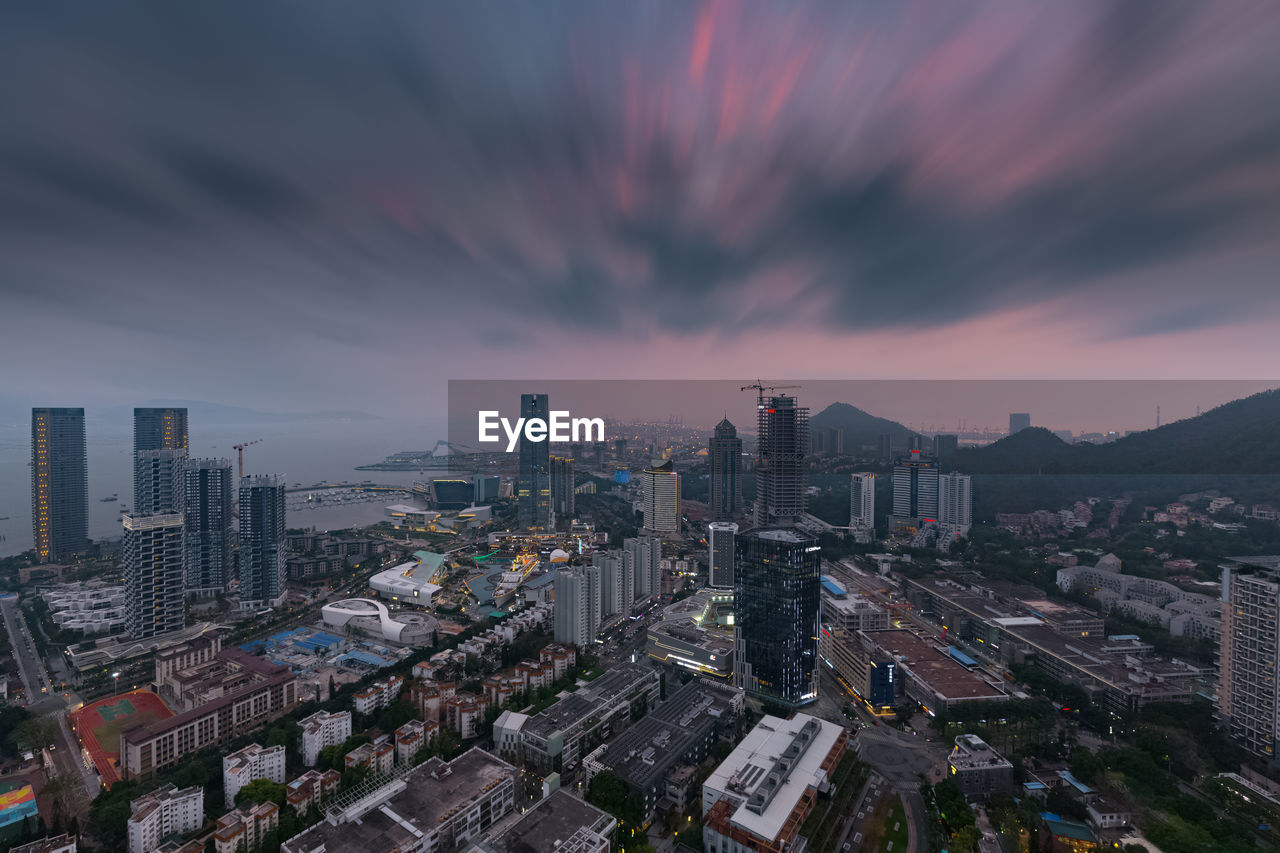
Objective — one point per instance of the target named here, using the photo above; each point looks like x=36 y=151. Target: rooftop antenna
x=1157 y=417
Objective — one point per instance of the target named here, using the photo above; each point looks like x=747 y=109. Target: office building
x=978 y=769
x=263 y=547
x=165 y=812
x=915 y=488
x=153 y=574
x=780 y=466
x=1018 y=421
x=533 y=487
x=955 y=503
x=724 y=457
x=776 y=605
x=577 y=605
x=59 y=484
x=660 y=485
x=562 y=485
x=645 y=555
x=437 y=807
x=759 y=797
x=245 y=765
x=207 y=535
x=862 y=505
x=722 y=548
x=1248 y=685
x=322 y=729
x=484 y=489
x=160 y=429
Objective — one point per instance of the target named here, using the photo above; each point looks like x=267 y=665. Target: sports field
x=99 y=725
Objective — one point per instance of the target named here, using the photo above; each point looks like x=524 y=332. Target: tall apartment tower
x=886 y=446
x=776 y=605
x=263 y=545
x=955 y=503
x=153 y=574
x=915 y=487
x=780 y=469
x=158 y=429
x=158 y=481
x=1249 y=654
x=208 y=534
x=725 y=458
x=722 y=542
x=862 y=504
x=577 y=605
x=617 y=586
x=562 y=504
x=59 y=484
x=533 y=486
x=660 y=485
x=645 y=556
x=945 y=444
x=1018 y=421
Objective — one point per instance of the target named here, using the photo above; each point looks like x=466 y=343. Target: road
x=42 y=699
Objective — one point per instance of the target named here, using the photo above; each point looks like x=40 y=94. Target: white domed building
x=373 y=619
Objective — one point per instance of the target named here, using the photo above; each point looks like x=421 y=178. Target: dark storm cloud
x=638 y=168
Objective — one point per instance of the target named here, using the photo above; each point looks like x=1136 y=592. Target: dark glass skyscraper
x=780 y=470
x=776 y=595
x=59 y=484
x=263 y=546
x=207 y=548
x=725 y=458
x=156 y=429
x=533 y=487
x=562 y=486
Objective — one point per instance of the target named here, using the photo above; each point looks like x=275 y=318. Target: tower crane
x=760 y=389
x=239 y=448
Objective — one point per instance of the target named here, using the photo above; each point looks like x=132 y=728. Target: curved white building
x=407 y=582
x=372 y=617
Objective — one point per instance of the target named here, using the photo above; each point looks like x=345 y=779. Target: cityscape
x=711 y=427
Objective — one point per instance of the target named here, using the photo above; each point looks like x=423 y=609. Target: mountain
x=860 y=428
x=1240 y=437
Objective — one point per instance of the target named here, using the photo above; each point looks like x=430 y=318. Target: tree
x=1086 y=766
x=34 y=733
x=261 y=791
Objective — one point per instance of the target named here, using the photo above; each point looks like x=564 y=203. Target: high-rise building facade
x=724 y=457
x=645 y=556
x=153 y=574
x=1249 y=654
x=160 y=429
x=617 y=587
x=862 y=504
x=944 y=445
x=263 y=545
x=1018 y=421
x=915 y=487
x=577 y=605
x=562 y=485
x=533 y=487
x=660 y=485
x=955 y=503
x=208 y=534
x=158 y=481
x=780 y=468
x=776 y=604
x=59 y=484
x=485 y=489
x=722 y=543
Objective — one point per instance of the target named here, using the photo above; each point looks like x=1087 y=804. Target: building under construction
x=783 y=428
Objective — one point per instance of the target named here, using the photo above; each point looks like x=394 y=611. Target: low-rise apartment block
x=322 y=729
x=245 y=765
x=376 y=757
x=162 y=814
x=245 y=828
x=311 y=788
x=379 y=695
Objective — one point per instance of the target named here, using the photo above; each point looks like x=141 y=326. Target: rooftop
x=940 y=672
x=561 y=822
x=616 y=682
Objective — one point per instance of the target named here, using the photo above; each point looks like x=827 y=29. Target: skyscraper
x=955 y=503
x=59 y=484
x=862 y=504
x=724 y=456
x=886 y=446
x=156 y=429
x=780 y=470
x=915 y=487
x=263 y=546
x=153 y=581
x=158 y=481
x=722 y=545
x=533 y=487
x=944 y=445
x=617 y=584
x=562 y=485
x=577 y=605
x=660 y=485
x=776 y=603
x=207 y=535
x=1018 y=421
x=645 y=556
x=1249 y=652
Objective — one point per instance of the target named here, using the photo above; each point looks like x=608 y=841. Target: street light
x=116 y=688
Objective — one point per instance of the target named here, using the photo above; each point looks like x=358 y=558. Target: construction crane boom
x=760 y=389
x=239 y=448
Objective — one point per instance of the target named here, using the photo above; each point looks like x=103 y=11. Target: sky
x=300 y=206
